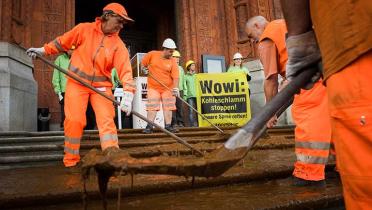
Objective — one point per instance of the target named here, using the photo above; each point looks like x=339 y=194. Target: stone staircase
x=29 y=149
x=24 y=149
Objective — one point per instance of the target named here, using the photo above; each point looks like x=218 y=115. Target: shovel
x=218 y=161
x=118 y=103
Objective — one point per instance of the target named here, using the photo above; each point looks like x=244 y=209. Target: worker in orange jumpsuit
x=160 y=65
x=309 y=109
x=98 y=49
x=343 y=40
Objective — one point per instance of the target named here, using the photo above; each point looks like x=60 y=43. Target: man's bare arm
x=271 y=87
x=297 y=16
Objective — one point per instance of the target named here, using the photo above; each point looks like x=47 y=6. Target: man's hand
x=176 y=92
x=126 y=102
x=272 y=122
x=145 y=70
x=283 y=84
x=303 y=51
x=32 y=52
x=60 y=97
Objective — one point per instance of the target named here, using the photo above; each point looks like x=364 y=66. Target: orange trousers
x=350 y=102
x=312 y=132
x=76 y=101
x=155 y=96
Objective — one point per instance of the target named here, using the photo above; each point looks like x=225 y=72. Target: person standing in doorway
x=161 y=67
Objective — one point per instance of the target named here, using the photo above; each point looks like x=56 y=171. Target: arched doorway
x=154 y=21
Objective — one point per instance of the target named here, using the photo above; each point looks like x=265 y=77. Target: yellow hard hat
x=176 y=54
x=188 y=63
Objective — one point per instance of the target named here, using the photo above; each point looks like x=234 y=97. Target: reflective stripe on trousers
x=312 y=132
x=312 y=152
x=109 y=140
x=71 y=149
x=76 y=100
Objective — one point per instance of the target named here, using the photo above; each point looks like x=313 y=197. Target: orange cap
x=118 y=9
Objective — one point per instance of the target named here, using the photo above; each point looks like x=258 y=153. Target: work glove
x=176 y=92
x=60 y=97
x=32 y=52
x=145 y=70
x=303 y=51
x=126 y=102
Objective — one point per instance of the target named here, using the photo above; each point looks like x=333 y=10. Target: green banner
x=223 y=99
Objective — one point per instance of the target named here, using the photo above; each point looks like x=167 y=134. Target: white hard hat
x=169 y=43
x=237 y=56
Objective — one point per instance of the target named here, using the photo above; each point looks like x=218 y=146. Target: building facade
x=214 y=27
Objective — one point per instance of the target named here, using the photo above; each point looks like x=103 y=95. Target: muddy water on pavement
x=275 y=194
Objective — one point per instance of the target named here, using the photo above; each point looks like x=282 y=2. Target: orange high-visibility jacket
x=343 y=30
x=95 y=55
x=275 y=31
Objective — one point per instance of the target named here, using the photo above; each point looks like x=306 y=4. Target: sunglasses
x=119 y=18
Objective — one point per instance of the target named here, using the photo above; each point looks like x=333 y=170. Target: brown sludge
x=212 y=164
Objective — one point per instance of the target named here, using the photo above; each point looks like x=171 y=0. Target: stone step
x=31 y=157
x=29 y=148
x=92 y=132
x=31 y=140
x=26 y=149
x=129 y=136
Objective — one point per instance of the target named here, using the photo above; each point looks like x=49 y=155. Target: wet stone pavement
x=261 y=181
x=273 y=194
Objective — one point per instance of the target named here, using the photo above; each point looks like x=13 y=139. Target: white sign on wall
x=139 y=104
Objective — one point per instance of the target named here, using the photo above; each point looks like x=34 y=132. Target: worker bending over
x=309 y=109
x=98 y=49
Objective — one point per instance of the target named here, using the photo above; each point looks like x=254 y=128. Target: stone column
x=18 y=90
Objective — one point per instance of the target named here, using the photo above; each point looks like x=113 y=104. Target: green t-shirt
x=181 y=84
x=115 y=79
x=59 y=79
x=237 y=69
x=190 y=86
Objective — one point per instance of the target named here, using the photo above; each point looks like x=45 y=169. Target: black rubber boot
x=304 y=183
x=111 y=150
x=170 y=128
x=76 y=169
x=148 y=129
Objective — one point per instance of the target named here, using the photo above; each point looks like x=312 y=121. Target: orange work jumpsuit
x=165 y=71
x=92 y=60
x=344 y=33
x=309 y=112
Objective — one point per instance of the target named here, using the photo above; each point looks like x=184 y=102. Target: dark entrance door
x=154 y=21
